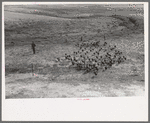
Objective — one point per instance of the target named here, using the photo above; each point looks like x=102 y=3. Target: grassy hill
x=55 y=31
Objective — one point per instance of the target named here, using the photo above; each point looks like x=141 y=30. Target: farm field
x=56 y=30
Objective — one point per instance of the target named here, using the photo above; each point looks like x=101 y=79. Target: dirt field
x=55 y=31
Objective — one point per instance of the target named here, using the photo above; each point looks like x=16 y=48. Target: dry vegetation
x=56 y=30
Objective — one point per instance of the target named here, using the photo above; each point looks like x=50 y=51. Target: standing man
x=33 y=47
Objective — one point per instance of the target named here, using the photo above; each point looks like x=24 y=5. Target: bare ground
x=118 y=81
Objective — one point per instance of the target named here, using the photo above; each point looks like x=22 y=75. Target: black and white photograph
x=75 y=61
x=74 y=50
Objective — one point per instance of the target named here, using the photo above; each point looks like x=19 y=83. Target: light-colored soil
x=28 y=86
x=119 y=81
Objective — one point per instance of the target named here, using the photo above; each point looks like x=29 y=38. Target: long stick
x=32 y=69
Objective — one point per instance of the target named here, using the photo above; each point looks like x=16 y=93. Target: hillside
x=56 y=30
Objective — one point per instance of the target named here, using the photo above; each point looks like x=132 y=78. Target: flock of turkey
x=93 y=56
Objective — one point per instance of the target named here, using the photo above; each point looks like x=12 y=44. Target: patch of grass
x=50 y=34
